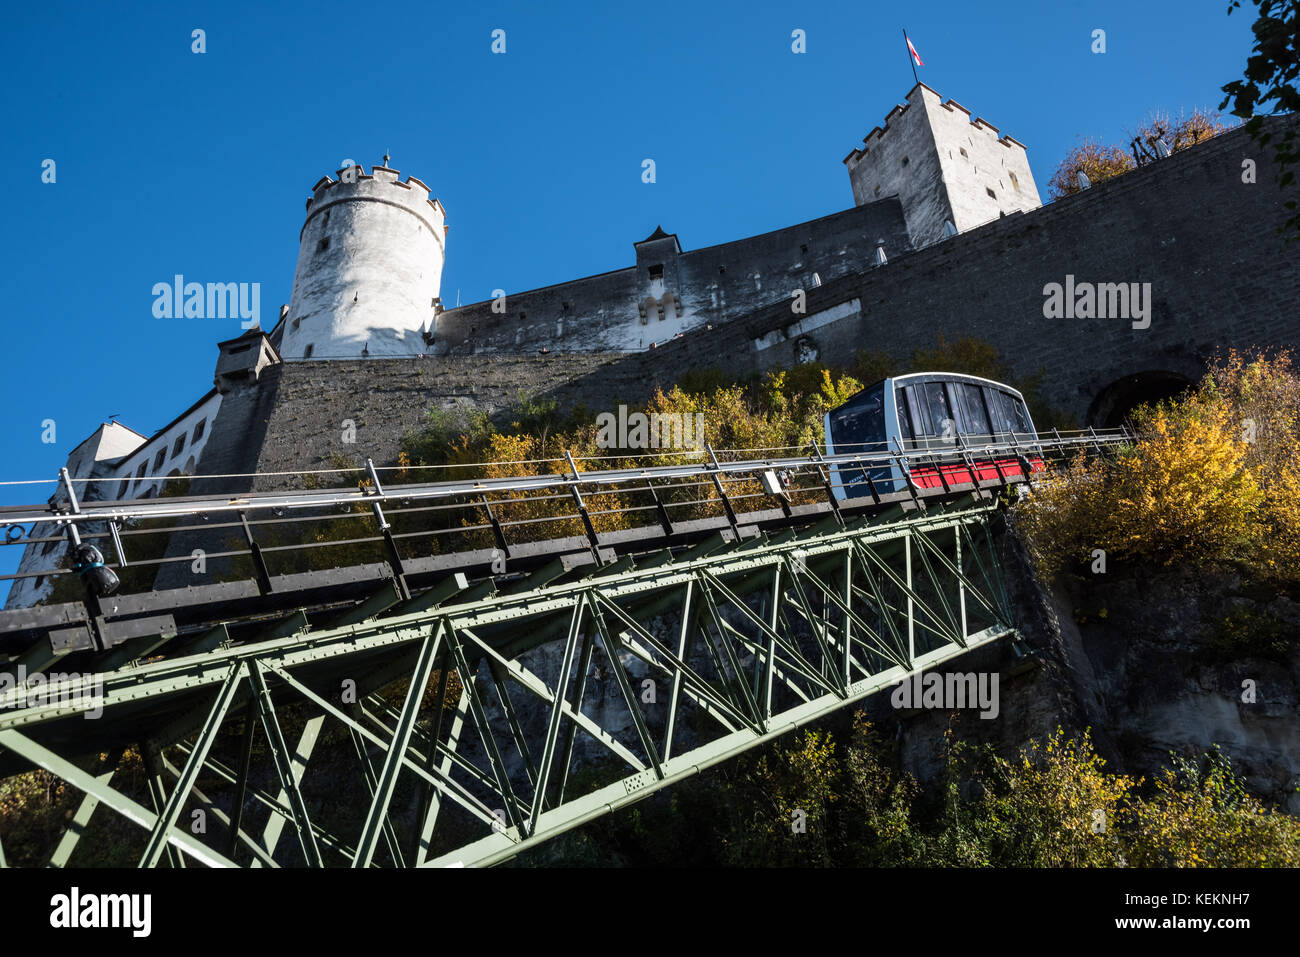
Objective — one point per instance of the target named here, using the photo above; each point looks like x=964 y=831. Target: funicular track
x=489 y=713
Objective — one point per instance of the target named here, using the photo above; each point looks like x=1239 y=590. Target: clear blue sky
x=174 y=162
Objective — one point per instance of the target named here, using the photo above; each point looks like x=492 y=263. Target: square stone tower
x=950 y=172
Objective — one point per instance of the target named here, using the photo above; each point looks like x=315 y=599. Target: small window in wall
x=906 y=161
x=1014 y=182
x=307 y=351
x=179 y=446
x=803 y=249
x=989 y=190
x=140 y=471
x=323 y=245
x=722 y=270
x=962 y=149
x=656 y=272
x=160 y=458
x=876 y=191
x=198 y=430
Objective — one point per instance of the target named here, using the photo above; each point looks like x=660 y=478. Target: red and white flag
x=915 y=56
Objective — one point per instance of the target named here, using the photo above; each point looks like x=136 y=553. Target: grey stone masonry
x=669 y=292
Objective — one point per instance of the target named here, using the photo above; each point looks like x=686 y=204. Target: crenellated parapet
x=951 y=171
x=873 y=139
x=370 y=257
x=381 y=185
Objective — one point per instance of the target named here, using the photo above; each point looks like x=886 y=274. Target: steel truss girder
x=749 y=642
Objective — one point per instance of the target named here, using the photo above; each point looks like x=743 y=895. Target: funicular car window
x=904 y=415
x=943 y=426
x=1002 y=407
x=860 y=425
x=972 y=418
x=919 y=415
x=1022 y=416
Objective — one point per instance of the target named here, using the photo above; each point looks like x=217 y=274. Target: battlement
x=354 y=183
x=370 y=257
x=951 y=170
x=872 y=139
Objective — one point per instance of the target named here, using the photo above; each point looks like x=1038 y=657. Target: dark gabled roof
x=660 y=234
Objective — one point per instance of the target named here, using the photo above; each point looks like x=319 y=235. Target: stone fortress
x=947 y=237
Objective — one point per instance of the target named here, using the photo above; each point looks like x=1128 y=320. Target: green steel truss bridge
x=432 y=709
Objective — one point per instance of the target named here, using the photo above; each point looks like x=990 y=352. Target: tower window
x=876 y=191
x=323 y=245
x=803 y=249
x=906 y=161
x=963 y=152
x=1014 y=182
x=722 y=270
x=989 y=190
x=306 y=353
x=657 y=272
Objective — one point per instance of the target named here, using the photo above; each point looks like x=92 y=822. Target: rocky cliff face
x=1153 y=660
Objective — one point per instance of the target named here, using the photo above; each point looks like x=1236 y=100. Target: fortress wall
x=716 y=284
x=1207 y=243
x=386 y=398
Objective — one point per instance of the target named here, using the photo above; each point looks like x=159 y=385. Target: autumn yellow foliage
x=1206 y=818
x=1212 y=476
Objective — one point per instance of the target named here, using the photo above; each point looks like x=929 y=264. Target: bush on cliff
x=1213 y=476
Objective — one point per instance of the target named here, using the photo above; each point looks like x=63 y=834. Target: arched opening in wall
x=1113 y=404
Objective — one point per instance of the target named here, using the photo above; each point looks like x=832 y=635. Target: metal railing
x=587 y=501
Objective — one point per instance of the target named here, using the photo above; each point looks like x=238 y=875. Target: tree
x=1201 y=815
x=1098 y=161
x=1271 y=75
x=1178 y=134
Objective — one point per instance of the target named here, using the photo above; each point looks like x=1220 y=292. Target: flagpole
x=911 y=62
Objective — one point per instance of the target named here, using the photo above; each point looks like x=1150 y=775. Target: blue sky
x=174 y=162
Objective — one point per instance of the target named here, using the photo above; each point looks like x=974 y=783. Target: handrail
x=89 y=511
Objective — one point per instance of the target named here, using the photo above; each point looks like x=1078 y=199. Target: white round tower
x=369 y=268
